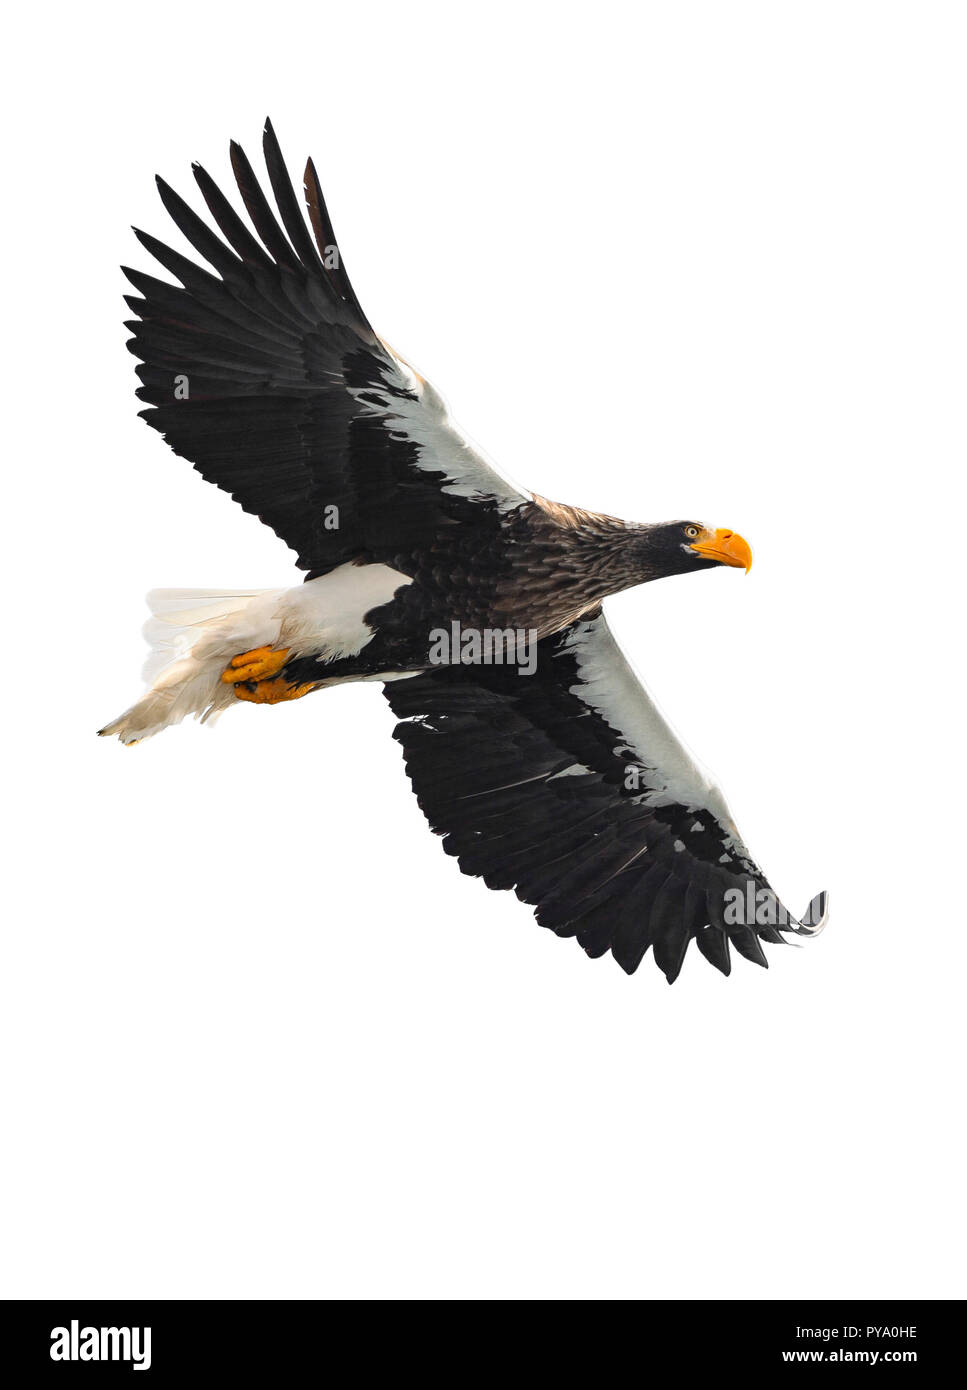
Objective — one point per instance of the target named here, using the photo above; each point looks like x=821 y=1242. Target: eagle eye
x=691 y=532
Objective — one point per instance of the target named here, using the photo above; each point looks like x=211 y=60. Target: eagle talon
x=256 y=665
x=271 y=692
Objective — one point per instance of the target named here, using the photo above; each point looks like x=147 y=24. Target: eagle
x=534 y=750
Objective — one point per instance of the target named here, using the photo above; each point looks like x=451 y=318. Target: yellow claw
x=272 y=692
x=255 y=665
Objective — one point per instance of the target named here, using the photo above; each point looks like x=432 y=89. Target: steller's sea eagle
x=533 y=749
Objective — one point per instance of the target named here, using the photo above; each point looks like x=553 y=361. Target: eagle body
x=533 y=576
x=533 y=748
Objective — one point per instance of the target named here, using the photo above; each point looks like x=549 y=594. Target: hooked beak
x=725 y=548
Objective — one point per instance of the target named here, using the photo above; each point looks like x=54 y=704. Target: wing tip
x=816 y=917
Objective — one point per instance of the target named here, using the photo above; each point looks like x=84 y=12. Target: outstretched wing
x=268 y=377
x=568 y=786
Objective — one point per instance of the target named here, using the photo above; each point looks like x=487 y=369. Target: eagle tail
x=193 y=634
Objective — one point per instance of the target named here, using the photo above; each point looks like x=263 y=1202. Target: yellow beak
x=725 y=547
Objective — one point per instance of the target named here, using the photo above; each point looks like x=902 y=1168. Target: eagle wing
x=267 y=376
x=568 y=786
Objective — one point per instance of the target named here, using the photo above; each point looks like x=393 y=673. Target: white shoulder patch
x=327 y=616
x=441 y=447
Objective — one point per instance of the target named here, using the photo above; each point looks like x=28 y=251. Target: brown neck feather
x=569 y=561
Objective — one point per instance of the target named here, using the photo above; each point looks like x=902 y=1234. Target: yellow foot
x=272 y=692
x=256 y=665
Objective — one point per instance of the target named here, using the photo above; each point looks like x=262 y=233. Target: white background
x=259 y=1036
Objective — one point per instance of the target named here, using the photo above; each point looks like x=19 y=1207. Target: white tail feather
x=178 y=617
x=193 y=634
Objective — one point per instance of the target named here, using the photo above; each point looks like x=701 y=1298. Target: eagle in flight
x=533 y=749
